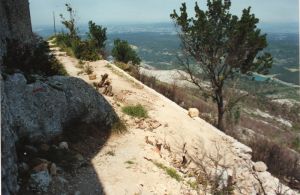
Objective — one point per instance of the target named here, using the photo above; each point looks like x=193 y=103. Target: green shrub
x=124 y=53
x=135 y=111
x=97 y=36
x=91 y=49
x=33 y=58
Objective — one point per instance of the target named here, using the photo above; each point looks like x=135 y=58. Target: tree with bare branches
x=220 y=46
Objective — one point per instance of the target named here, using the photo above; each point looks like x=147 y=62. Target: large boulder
x=41 y=110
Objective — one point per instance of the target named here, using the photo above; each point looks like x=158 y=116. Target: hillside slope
x=134 y=163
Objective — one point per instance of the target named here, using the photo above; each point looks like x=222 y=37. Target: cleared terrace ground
x=125 y=164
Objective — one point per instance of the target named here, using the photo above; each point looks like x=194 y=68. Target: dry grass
x=281 y=161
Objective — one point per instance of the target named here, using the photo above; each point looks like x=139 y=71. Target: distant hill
x=158 y=45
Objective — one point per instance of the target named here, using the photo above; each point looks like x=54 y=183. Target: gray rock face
x=41 y=110
x=15 y=23
x=40 y=181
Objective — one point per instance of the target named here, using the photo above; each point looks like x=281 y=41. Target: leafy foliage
x=90 y=49
x=97 y=35
x=124 y=53
x=31 y=58
x=70 y=24
x=222 y=45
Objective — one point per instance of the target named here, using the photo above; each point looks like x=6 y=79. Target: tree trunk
x=220 y=104
x=220 y=116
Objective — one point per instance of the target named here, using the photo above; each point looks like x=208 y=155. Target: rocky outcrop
x=41 y=110
x=15 y=23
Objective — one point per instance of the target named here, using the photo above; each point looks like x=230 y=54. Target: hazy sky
x=140 y=11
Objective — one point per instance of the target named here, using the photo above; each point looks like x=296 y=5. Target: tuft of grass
x=193 y=184
x=123 y=66
x=80 y=64
x=169 y=171
x=111 y=153
x=129 y=162
x=135 y=111
x=119 y=127
x=88 y=69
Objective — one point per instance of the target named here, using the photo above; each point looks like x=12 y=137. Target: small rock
x=53 y=169
x=92 y=76
x=44 y=147
x=23 y=167
x=79 y=157
x=37 y=161
x=63 y=145
x=142 y=125
x=193 y=112
x=62 y=180
x=153 y=124
x=40 y=167
x=241 y=148
x=59 y=170
x=40 y=181
x=77 y=193
x=260 y=166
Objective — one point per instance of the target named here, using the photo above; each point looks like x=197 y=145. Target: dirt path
x=128 y=164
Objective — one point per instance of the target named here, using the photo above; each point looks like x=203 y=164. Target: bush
x=124 y=53
x=281 y=161
x=136 y=111
x=97 y=36
x=33 y=58
x=88 y=69
x=74 y=47
x=90 y=49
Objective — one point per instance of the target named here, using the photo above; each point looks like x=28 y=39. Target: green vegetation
x=91 y=49
x=296 y=143
x=119 y=127
x=161 y=51
x=135 y=111
x=169 y=171
x=97 y=36
x=111 y=153
x=88 y=69
x=31 y=58
x=193 y=185
x=222 y=51
x=123 y=52
x=129 y=162
x=80 y=64
x=296 y=127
